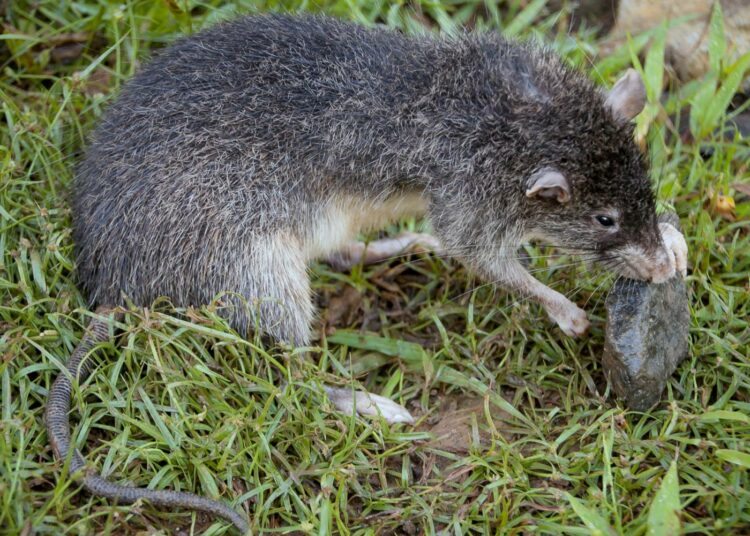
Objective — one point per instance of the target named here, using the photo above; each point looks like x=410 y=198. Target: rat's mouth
x=633 y=262
x=632 y=270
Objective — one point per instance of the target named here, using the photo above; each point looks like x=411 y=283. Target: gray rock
x=646 y=337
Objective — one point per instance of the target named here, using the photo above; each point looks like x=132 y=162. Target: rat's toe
x=680 y=256
x=572 y=320
x=676 y=246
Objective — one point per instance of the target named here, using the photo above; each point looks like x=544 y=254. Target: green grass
x=180 y=401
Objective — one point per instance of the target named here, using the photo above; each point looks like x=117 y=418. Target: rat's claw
x=674 y=243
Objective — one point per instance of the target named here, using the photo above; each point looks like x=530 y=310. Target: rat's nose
x=662 y=269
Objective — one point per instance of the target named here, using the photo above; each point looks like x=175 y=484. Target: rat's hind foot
x=674 y=243
x=380 y=250
x=347 y=400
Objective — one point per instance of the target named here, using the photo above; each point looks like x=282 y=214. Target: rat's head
x=593 y=193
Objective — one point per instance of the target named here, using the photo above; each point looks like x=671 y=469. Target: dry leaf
x=723 y=205
x=742 y=188
x=97 y=82
x=341 y=308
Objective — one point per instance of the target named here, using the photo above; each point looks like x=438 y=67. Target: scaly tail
x=58 y=431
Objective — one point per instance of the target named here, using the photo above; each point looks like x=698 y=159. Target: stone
x=646 y=337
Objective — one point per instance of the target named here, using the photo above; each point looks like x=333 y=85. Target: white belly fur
x=344 y=218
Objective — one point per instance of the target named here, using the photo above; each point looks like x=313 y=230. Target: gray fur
x=213 y=169
x=240 y=154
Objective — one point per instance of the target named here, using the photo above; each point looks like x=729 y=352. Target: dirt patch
x=462 y=423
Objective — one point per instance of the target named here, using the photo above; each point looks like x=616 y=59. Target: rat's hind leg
x=279 y=299
x=276 y=290
x=380 y=250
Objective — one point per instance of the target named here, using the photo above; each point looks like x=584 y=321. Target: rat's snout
x=659 y=264
x=662 y=266
x=652 y=265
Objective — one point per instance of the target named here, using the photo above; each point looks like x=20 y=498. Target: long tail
x=58 y=431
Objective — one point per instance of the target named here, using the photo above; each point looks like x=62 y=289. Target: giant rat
x=242 y=153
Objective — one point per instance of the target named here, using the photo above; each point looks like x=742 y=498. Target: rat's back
x=224 y=137
x=269 y=134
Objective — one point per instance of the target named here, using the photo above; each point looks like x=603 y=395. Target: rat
x=239 y=155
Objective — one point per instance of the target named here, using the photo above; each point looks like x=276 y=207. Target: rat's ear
x=628 y=96
x=549 y=184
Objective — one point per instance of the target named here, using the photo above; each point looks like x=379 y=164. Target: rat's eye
x=606 y=221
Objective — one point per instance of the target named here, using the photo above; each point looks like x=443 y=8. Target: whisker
x=596 y=290
x=460 y=254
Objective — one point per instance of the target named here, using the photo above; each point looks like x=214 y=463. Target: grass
x=180 y=401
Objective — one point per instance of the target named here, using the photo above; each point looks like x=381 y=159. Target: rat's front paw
x=571 y=319
x=676 y=247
